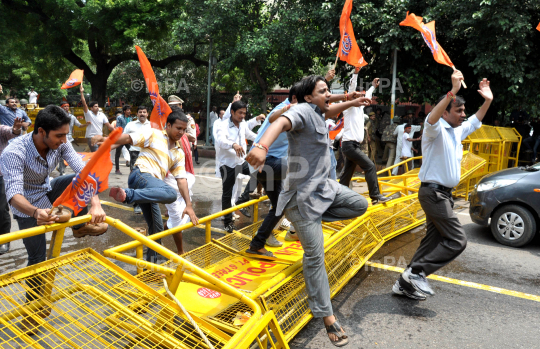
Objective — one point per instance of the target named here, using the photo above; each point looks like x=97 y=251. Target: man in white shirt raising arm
x=353 y=135
x=444 y=130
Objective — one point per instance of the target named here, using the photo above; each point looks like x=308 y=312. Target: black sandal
x=264 y=255
x=339 y=332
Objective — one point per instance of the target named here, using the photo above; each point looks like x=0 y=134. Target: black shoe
x=245 y=212
x=378 y=199
x=4 y=248
x=137 y=209
x=418 y=281
x=198 y=163
x=229 y=228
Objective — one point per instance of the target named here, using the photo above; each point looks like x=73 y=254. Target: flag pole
x=462 y=81
x=335 y=63
x=393 y=97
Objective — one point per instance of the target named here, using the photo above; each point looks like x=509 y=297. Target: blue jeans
x=148 y=192
x=333 y=164
x=347 y=204
x=271 y=178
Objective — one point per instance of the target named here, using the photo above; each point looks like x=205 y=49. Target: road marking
x=464 y=213
x=517 y=294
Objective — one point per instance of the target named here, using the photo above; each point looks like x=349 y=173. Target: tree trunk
x=264 y=102
x=263 y=85
x=98 y=82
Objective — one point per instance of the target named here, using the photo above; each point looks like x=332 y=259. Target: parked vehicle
x=511 y=200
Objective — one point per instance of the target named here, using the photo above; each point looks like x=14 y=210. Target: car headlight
x=495 y=184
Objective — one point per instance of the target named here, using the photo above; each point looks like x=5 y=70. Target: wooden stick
x=462 y=81
x=335 y=63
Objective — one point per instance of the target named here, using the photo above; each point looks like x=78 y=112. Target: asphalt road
x=456 y=317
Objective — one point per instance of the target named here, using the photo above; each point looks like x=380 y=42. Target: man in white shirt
x=444 y=130
x=407 y=149
x=133 y=128
x=96 y=118
x=69 y=137
x=398 y=132
x=231 y=140
x=212 y=119
x=353 y=135
x=32 y=97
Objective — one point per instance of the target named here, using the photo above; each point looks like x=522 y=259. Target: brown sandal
x=63 y=214
x=337 y=331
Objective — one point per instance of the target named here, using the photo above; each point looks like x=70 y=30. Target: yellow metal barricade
x=83 y=300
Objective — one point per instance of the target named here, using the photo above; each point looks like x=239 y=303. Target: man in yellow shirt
x=160 y=153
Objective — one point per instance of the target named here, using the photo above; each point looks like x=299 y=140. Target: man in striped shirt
x=6 y=133
x=27 y=163
x=160 y=153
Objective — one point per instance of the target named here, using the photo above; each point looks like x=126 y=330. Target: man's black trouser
x=133 y=156
x=445 y=238
x=271 y=178
x=228 y=178
x=117 y=155
x=354 y=156
x=5 y=219
x=36 y=246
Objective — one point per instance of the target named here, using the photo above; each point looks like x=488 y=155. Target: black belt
x=435 y=186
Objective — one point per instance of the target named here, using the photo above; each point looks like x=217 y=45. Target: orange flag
x=538 y=28
x=75 y=79
x=428 y=33
x=348 y=48
x=93 y=178
x=158 y=118
x=334 y=131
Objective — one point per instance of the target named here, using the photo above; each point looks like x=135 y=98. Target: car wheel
x=513 y=225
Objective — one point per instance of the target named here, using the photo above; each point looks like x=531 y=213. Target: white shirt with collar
x=226 y=137
x=353 y=128
x=442 y=151
x=96 y=123
x=135 y=127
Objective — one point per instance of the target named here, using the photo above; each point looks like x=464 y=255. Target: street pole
x=208 y=95
x=393 y=99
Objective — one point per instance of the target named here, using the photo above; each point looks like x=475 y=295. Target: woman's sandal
x=337 y=331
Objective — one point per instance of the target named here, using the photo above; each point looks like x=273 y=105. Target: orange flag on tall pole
x=348 y=48
x=158 y=118
x=75 y=79
x=93 y=178
x=428 y=33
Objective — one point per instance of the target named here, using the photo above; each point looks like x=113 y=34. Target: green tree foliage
x=93 y=35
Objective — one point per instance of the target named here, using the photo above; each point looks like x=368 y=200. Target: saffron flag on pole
x=160 y=111
x=428 y=33
x=75 y=79
x=348 y=48
x=93 y=178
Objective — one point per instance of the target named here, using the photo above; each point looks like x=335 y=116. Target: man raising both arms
x=444 y=130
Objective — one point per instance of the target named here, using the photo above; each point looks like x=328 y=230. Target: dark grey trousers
x=355 y=156
x=445 y=238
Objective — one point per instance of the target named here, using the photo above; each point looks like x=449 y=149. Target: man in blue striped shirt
x=27 y=163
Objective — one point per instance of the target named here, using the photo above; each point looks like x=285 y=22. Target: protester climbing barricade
x=215 y=296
